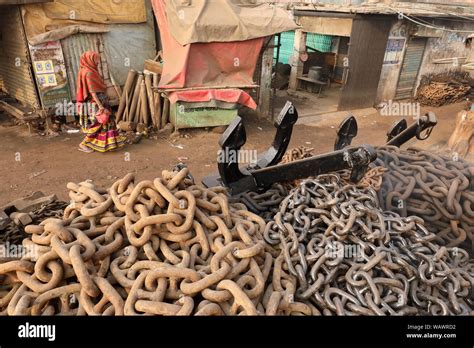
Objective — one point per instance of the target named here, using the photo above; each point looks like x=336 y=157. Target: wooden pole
x=157 y=100
x=144 y=104
x=297 y=65
x=151 y=103
x=135 y=98
x=126 y=89
x=158 y=110
x=126 y=114
x=165 y=114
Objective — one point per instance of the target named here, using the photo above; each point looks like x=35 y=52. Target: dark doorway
x=366 y=52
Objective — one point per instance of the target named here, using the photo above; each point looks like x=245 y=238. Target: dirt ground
x=47 y=164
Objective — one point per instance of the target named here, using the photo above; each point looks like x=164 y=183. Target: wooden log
x=462 y=139
x=144 y=104
x=153 y=66
x=157 y=101
x=151 y=102
x=126 y=89
x=156 y=79
x=135 y=99
x=127 y=107
x=165 y=113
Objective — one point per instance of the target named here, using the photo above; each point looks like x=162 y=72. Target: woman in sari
x=101 y=134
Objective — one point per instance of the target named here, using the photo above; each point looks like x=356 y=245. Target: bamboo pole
x=126 y=89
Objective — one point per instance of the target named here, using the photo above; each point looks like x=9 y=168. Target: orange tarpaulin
x=205 y=64
x=226 y=64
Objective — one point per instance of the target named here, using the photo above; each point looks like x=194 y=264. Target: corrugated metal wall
x=73 y=47
x=15 y=67
x=410 y=68
x=124 y=47
x=128 y=45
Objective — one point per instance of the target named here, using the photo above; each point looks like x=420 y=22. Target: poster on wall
x=50 y=72
x=394 y=51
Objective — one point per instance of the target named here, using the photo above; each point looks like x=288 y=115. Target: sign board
x=394 y=51
x=50 y=72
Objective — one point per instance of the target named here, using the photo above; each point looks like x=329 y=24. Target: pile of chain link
x=164 y=247
x=437 y=188
x=14 y=234
x=328 y=247
x=343 y=255
x=266 y=204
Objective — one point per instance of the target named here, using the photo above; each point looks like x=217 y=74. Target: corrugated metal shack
x=380 y=51
x=41 y=43
x=16 y=75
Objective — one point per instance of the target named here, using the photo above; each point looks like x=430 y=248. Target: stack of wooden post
x=140 y=105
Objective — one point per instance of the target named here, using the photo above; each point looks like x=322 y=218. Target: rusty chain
x=165 y=247
x=14 y=234
x=170 y=247
x=267 y=204
x=437 y=188
x=346 y=256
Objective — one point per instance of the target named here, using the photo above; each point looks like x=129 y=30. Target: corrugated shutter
x=73 y=47
x=411 y=65
x=15 y=66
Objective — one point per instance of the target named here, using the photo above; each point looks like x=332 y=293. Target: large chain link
x=14 y=234
x=346 y=256
x=155 y=247
x=437 y=188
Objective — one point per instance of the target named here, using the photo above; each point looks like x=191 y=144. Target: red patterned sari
x=99 y=137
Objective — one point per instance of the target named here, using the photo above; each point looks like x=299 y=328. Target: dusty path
x=22 y=156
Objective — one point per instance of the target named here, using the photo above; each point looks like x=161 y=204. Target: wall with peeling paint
x=389 y=75
x=449 y=45
x=440 y=44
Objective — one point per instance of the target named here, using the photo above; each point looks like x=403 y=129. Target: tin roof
x=394 y=8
